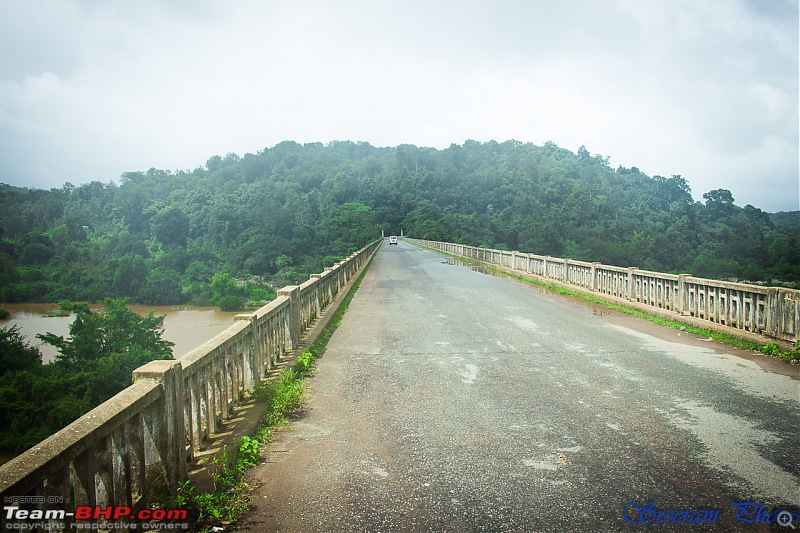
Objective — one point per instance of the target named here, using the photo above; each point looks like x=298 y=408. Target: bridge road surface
x=451 y=400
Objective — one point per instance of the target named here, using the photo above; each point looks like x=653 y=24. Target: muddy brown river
x=186 y=326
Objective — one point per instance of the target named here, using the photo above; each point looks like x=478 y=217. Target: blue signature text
x=633 y=513
x=757 y=513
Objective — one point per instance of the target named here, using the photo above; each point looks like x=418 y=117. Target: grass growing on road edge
x=284 y=398
x=769 y=348
x=228 y=501
x=317 y=348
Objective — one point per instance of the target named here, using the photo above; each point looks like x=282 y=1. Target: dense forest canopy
x=163 y=237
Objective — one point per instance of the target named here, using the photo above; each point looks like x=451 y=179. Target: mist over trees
x=161 y=237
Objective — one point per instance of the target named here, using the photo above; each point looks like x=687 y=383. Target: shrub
x=230 y=303
x=262 y=293
x=305 y=363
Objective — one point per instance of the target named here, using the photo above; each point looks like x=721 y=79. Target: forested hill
x=161 y=236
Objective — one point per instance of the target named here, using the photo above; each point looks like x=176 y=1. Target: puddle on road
x=476 y=267
x=595 y=308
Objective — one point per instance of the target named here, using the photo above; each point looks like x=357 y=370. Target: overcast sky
x=707 y=89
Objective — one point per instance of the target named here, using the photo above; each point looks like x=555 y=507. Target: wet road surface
x=450 y=400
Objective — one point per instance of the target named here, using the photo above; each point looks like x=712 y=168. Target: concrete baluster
x=120 y=467
x=85 y=489
x=683 y=295
x=293 y=293
x=631 y=281
x=773 y=312
x=317 y=298
x=170 y=440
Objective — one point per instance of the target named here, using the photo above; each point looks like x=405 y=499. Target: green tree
x=222 y=285
x=115 y=329
x=38 y=250
x=171 y=226
x=230 y=303
x=163 y=287
x=93 y=364
x=130 y=275
x=15 y=351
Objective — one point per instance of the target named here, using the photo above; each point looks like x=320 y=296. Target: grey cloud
x=702 y=88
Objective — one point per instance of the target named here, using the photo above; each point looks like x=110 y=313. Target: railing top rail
x=653 y=274
x=308 y=285
x=324 y=275
x=732 y=285
x=219 y=341
x=611 y=268
x=272 y=307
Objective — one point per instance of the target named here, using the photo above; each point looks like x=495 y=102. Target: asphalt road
x=452 y=400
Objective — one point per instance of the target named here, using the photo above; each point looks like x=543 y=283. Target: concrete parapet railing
x=139 y=443
x=768 y=311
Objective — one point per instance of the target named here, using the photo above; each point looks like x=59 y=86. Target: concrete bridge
x=460 y=401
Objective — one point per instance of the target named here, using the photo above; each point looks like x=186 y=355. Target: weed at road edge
x=284 y=397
